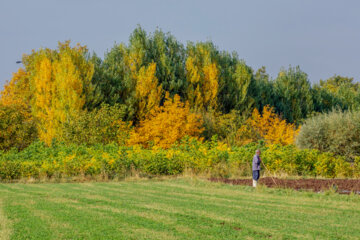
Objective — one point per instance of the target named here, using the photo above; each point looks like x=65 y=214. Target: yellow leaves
x=134 y=60
x=167 y=124
x=43 y=83
x=245 y=135
x=282 y=73
x=269 y=127
x=148 y=92
x=210 y=87
x=143 y=78
x=17 y=90
x=16 y=122
x=69 y=86
x=44 y=93
x=44 y=89
x=223 y=147
x=193 y=75
x=202 y=75
x=61 y=81
x=122 y=133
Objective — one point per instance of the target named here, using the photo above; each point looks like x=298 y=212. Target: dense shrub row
x=337 y=132
x=212 y=159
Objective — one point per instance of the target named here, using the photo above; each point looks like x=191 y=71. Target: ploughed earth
x=344 y=186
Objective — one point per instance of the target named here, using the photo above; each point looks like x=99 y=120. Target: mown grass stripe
x=180 y=209
x=265 y=197
x=25 y=224
x=260 y=205
x=173 y=199
x=86 y=202
x=5 y=224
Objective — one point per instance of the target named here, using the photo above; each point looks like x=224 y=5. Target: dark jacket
x=256 y=163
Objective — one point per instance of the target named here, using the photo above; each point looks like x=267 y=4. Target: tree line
x=70 y=94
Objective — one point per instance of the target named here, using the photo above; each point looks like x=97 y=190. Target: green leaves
x=293 y=89
x=103 y=125
x=337 y=132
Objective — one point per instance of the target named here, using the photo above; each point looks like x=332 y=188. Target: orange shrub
x=267 y=126
x=167 y=124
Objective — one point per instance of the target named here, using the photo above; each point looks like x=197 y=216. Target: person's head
x=257 y=152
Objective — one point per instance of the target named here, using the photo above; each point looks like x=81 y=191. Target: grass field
x=173 y=209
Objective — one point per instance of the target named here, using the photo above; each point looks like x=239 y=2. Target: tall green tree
x=227 y=85
x=264 y=91
x=324 y=100
x=293 y=89
x=169 y=56
x=236 y=83
x=344 y=89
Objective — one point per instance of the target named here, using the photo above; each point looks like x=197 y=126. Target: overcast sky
x=322 y=36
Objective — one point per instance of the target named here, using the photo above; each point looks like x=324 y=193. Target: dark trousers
x=256 y=174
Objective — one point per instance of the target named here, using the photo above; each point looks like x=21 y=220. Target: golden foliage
x=17 y=125
x=134 y=59
x=148 y=93
x=202 y=75
x=167 y=124
x=43 y=104
x=17 y=91
x=143 y=81
x=267 y=126
x=60 y=81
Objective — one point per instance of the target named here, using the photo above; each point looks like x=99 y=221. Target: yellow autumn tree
x=267 y=126
x=17 y=90
x=134 y=59
x=202 y=75
x=43 y=106
x=167 y=124
x=60 y=81
x=17 y=126
x=148 y=93
x=143 y=80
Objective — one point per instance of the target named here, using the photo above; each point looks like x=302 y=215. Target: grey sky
x=322 y=36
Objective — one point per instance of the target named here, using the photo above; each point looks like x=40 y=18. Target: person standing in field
x=256 y=167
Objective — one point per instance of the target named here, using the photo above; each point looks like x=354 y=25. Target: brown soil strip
x=344 y=186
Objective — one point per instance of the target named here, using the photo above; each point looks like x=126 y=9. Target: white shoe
x=254 y=183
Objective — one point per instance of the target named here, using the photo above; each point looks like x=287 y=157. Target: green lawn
x=172 y=209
